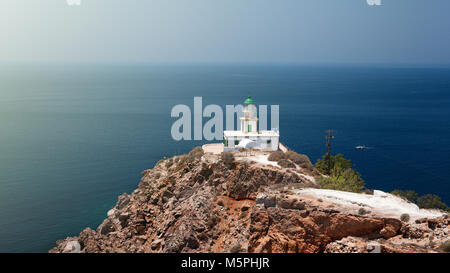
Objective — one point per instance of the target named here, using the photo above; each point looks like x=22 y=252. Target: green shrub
x=404 y=217
x=341 y=176
x=431 y=201
x=276 y=156
x=409 y=195
x=427 y=201
x=347 y=180
x=228 y=159
x=285 y=163
x=337 y=162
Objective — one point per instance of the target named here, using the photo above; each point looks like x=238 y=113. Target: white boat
x=360 y=147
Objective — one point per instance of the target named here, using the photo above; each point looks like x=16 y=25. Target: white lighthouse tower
x=249 y=122
x=249 y=136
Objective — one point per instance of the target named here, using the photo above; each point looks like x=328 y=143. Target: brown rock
x=185 y=204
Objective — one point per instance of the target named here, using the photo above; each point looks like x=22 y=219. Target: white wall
x=260 y=141
x=275 y=143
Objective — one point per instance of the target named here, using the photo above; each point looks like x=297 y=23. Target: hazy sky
x=304 y=31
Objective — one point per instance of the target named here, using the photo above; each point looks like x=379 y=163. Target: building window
x=269 y=141
x=236 y=142
x=249 y=128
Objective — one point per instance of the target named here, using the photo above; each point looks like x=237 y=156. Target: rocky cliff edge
x=203 y=203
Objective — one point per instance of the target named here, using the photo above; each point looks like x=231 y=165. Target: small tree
x=343 y=180
x=337 y=162
x=341 y=177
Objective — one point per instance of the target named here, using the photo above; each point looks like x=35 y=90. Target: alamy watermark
x=213 y=128
x=73 y=2
x=374 y=2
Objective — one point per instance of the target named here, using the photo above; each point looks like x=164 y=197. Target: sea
x=73 y=137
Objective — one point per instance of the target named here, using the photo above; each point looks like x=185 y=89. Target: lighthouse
x=249 y=136
x=249 y=122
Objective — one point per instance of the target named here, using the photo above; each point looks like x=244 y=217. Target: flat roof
x=252 y=134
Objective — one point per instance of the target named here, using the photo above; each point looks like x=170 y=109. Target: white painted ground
x=379 y=203
x=262 y=159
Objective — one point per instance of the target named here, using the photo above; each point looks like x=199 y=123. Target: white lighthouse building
x=249 y=136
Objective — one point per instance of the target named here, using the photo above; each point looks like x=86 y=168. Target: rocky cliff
x=207 y=203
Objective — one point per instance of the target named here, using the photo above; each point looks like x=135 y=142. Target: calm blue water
x=72 y=138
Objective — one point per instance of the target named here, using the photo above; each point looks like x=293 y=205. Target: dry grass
x=276 y=156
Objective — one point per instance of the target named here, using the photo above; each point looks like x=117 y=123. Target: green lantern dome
x=249 y=101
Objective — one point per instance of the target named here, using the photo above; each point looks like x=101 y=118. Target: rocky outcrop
x=196 y=203
x=290 y=230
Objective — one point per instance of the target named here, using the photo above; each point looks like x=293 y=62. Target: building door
x=249 y=128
